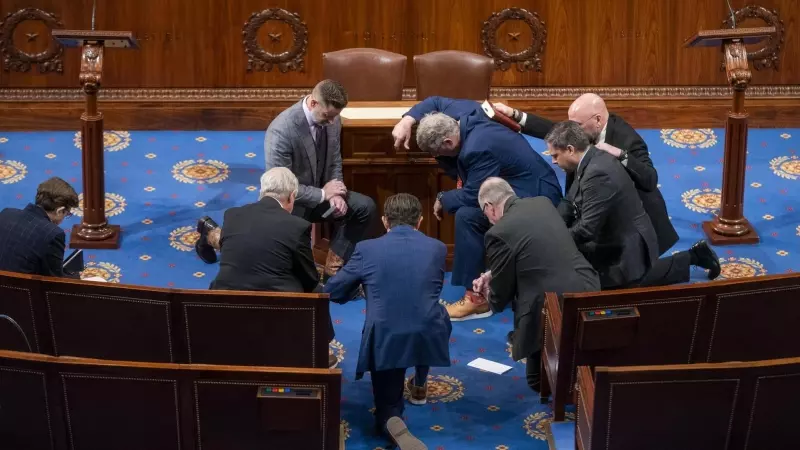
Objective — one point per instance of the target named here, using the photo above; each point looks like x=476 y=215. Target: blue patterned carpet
x=159 y=183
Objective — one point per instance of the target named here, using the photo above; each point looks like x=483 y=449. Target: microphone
x=19 y=328
x=733 y=16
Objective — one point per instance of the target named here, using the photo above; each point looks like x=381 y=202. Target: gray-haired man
x=305 y=139
x=529 y=252
x=263 y=246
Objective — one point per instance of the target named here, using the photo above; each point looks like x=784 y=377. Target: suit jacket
x=30 y=243
x=639 y=167
x=265 y=248
x=402 y=273
x=489 y=149
x=288 y=143
x=530 y=252
x=611 y=228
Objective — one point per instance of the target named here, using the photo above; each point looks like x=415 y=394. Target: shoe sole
x=402 y=437
x=472 y=317
x=416 y=402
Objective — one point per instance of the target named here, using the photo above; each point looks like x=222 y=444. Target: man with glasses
x=473 y=147
x=31 y=240
x=529 y=251
x=611 y=134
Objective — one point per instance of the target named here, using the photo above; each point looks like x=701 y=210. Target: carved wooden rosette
x=18 y=60
x=528 y=59
x=768 y=56
x=261 y=60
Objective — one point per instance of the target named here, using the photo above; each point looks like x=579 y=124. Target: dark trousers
x=669 y=270
x=387 y=391
x=533 y=370
x=469 y=260
x=348 y=229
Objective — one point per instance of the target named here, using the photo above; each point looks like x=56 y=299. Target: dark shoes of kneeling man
x=704 y=256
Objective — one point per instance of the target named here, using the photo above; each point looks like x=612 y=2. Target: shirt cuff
x=322 y=195
x=524 y=118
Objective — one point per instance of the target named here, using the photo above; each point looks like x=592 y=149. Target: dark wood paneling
x=198 y=43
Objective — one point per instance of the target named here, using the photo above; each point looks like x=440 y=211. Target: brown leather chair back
x=368 y=74
x=454 y=74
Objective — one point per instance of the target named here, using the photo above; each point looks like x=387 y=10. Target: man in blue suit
x=470 y=146
x=402 y=274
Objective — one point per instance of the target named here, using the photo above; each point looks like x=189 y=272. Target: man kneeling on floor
x=402 y=274
x=263 y=246
x=530 y=252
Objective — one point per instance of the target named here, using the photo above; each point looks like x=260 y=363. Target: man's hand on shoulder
x=608 y=148
x=504 y=109
x=402 y=132
x=333 y=188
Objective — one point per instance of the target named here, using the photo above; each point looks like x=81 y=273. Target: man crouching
x=402 y=274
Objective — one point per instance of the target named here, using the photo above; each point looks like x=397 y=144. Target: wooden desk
x=371 y=166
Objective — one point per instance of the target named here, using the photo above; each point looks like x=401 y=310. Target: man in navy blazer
x=470 y=146
x=31 y=240
x=402 y=273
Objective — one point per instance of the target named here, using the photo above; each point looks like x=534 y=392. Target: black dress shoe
x=204 y=250
x=704 y=256
x=510 y=338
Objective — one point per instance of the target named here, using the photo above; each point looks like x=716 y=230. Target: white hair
x=495 y=191
x=279 y=183
x=433 y=129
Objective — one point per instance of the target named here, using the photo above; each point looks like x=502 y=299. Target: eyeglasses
x=483 y=210
x=590 y=118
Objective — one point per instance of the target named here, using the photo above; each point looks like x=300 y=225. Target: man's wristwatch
x=439 y=196
x=623 y=158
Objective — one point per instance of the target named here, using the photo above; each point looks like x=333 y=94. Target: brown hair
x=402 y=209
x=331 y=93
x=55 y=193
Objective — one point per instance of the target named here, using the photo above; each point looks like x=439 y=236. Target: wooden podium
x=730 y=226
x=94 y=231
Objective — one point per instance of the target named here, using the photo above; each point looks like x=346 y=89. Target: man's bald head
x=590 y=111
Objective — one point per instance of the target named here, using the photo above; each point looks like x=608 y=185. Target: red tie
x=459 y=184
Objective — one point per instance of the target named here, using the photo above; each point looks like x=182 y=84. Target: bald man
x=610 y=133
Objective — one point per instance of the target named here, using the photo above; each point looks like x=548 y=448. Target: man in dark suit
x=305 y=139
x=610 y=133
x=471 y=147
x=530 y=252
x=605 y=216
x=402 y=273
x=31 y=240
x=263 y=246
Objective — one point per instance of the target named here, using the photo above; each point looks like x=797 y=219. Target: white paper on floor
x=489 y=366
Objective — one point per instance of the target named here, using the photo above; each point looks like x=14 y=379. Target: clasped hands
x=335 y=191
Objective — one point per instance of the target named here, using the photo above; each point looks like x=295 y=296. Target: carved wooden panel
x=37 y=47
x=766 y=55
x=605 y=43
